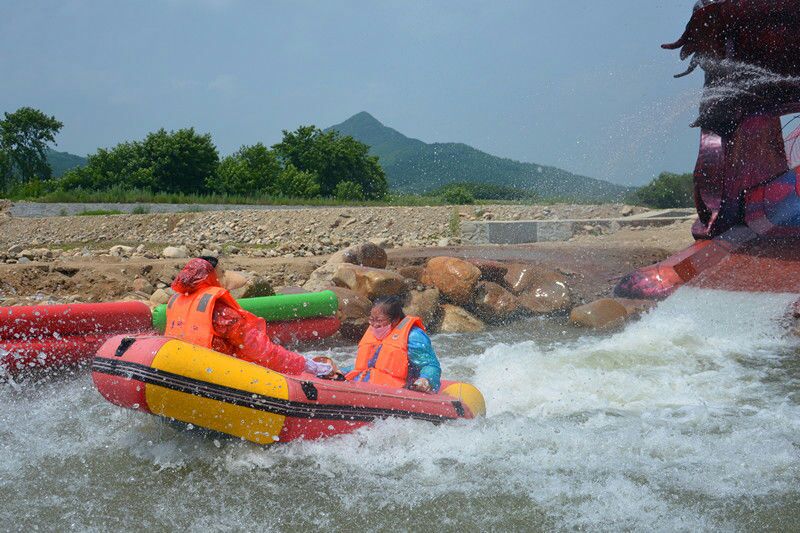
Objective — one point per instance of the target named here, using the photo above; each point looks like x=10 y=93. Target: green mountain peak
x=412 y=165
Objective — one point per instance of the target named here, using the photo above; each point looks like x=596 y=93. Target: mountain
x=412 y=165
x=60 y=162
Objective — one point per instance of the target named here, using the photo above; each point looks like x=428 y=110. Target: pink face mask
x=381 y=332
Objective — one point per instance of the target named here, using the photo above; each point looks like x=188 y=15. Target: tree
x=458 y=195
x=180 y=161
x=296 y=183
x=348 y=190
x=333 y=158
x=24 y=137
x=251 y=169
x=667 y=190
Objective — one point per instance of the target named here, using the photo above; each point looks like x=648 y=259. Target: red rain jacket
x=238 y=332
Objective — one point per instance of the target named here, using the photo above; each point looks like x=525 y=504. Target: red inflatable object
x=36 y=321
x=289 y=332
x=16 y=356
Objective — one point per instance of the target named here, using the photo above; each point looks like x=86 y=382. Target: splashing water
x=685 y=420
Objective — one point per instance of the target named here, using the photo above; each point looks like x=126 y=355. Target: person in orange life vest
x=395 y=351
x=202 y=312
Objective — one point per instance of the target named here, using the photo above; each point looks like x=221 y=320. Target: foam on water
x=681 y=421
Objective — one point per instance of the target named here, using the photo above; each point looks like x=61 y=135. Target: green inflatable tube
x=272 y=308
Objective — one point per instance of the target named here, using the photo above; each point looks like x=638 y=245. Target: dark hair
x=392 y=306
x=211 y=259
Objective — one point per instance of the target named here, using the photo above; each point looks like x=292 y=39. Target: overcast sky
x=579 y=84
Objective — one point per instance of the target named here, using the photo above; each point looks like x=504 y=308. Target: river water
x=688 y=419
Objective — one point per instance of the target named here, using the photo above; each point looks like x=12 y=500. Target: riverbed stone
x=599 y=314
x=175 y=252
x=353 y=313
x=321 y=278
x=493 y=303
x=456 y=279
x=160 y=296
x=458 y=320
x=425 y=304
x=369 y=282
x=367 y=254
x=491 y=270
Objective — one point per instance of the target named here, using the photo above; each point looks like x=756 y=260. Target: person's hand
x=421 y=385
x=335 y=373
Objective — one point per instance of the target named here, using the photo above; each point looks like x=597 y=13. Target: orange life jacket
x=390 y=366
x=190 y=316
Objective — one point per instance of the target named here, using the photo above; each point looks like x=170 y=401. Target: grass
x=454 y=223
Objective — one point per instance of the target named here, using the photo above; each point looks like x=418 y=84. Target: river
x=685 y=420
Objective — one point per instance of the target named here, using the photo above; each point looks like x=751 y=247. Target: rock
x=23 y=260
x=634 y=307
x=491 y=270
x=258 y=286
x=521 y=277
x=121 y=251
x=458 y=320
x=443 y=242
x=493 y=303
x=367 y=254
x=353 y=313
x=205 y=252
x=455 y=278
x=143 y=286
x=233 y=280
x=175 y=252
x=383 y=242
x=411 y=272
x=626 y=211
x=17 y=248
x=321 y=278
x=425 y=304
x=600 y=314
x=549 y=295
x=160 y=296
x=369 y=282
x=290 y=289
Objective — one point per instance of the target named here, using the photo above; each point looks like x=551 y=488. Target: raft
x=280 y=307
x=180 y=381
x=54 y=336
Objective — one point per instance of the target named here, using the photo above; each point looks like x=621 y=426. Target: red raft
x=44 y=336
x=195 y=385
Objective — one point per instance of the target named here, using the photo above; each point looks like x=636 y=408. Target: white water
x=685 y=420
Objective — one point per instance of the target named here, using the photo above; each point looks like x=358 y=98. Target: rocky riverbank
x=102 y=258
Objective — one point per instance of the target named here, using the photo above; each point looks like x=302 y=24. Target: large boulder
x=367 y=254
x=539 y=290
x=425 y=304
x=490 y=270
x=600 y=314
x=411 y=272
x=258 y=286
x=370 y=282
x=493 y=303
x=233 y=280
x=456 y=279
x=353 y=313
x=321 y=278
x=458 y=320
x=291 y=289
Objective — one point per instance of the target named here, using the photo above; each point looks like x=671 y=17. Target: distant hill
x=412 y=165
x=60 y=162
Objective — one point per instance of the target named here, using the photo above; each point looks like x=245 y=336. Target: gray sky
x=582 y=85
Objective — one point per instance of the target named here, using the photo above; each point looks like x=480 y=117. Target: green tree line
x=307 y=163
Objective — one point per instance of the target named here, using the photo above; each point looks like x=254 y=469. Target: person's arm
x=247 y=334
x=422 y=358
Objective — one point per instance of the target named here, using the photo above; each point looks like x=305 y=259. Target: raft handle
x=124 y=344
x=309 y=390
